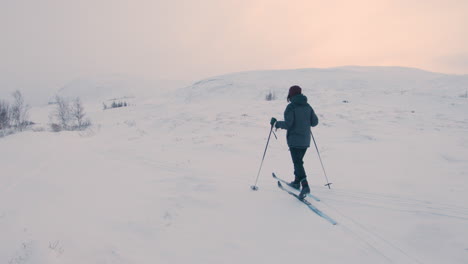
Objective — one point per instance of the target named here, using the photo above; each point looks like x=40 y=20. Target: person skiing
x=299 y=116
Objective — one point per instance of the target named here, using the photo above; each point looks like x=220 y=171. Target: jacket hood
x=299 y=99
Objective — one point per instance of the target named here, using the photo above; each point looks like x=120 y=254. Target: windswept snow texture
x=167 y=180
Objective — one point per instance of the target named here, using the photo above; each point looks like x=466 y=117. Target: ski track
x=371 y=240
x=395 y=203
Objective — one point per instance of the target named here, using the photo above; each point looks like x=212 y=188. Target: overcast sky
x=50 y=42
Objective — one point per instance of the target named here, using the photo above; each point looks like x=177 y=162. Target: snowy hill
x=342 y=80
x=167 y=179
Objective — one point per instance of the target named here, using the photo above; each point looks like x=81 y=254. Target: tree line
x=68 y=114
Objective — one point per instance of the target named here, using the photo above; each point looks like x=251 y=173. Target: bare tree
x=69 y=115
x=62 y=112
x=19 y=111
x=4 y=115
x=78 y=113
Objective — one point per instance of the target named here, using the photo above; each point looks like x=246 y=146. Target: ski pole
x=255 y=187
x=318 y=153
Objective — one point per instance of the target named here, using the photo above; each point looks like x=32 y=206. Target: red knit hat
x=294 y=90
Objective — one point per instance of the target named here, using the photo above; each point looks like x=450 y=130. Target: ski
x=311 y=207
x=287 y=183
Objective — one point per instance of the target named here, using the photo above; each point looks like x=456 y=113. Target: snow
x=167 y=180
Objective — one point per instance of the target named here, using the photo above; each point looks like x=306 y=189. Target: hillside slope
x=167 y=179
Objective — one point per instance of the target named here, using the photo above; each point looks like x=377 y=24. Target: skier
x=298 y=118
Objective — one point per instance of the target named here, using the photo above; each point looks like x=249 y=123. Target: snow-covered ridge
x=349 y=79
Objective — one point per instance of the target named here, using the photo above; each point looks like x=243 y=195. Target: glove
x=273 y=121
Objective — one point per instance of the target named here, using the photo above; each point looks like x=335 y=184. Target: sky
x=47 y=43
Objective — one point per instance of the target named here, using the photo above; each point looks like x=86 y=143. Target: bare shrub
x=62 y=112
x=19 y=111
x=4 y=115
x=77 y=113
x=270 y=96
x=55 y=127
x=86 y=123
x=115 y=105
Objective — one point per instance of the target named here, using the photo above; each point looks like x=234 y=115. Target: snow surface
x=167 y=180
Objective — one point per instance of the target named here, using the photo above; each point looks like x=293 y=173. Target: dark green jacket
x=298 y=118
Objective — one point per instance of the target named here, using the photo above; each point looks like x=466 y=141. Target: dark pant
x=297 y=155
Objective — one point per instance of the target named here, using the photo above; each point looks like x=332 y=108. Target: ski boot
x=294 y=184
x=305 y=190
